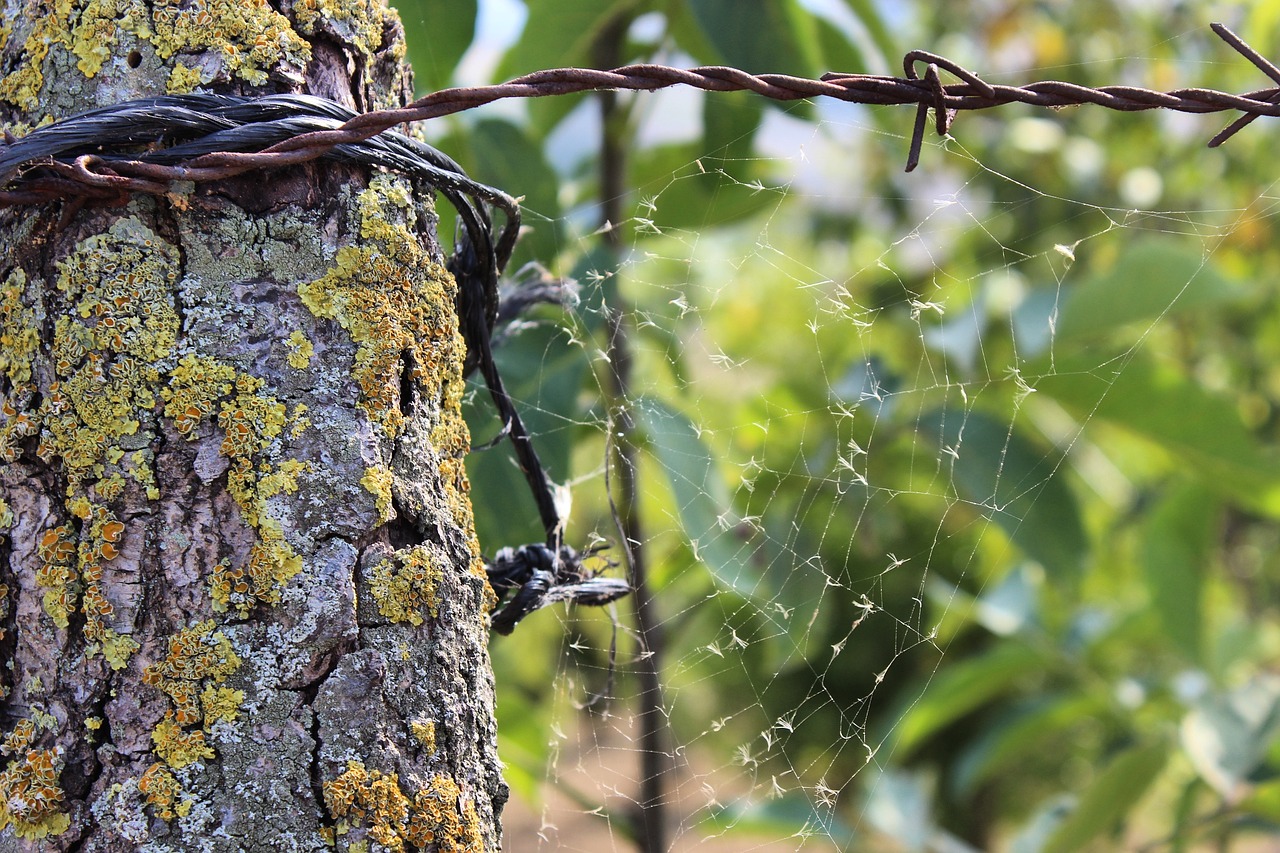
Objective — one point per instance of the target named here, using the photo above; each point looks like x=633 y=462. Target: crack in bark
x=315 y=769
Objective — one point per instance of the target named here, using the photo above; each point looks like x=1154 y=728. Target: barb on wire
x=93 y=156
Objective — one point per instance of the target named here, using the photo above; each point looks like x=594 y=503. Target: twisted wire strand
x=91 y=154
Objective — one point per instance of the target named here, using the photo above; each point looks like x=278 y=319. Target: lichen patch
x=436 y=817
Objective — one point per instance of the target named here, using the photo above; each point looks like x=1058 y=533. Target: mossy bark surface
x=242 y=601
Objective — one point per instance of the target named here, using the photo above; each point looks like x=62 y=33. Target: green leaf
x=729 y=122
x=1009 y=480
x=962 y=687
x=760 y=36
x=1152 y=278
x=1201 y=431
x=437 y=33
x=1047 y=818
x=558 y=34
x=838 y=53
x=900 y=805
x=1227 y=736
x=791 y=815
x=702 y=500
x=880 y=40
x=1176 y=550
x=505 y=157
x=1113 y=793
x=1003 y=746
x=543 y=375
x=693 y=191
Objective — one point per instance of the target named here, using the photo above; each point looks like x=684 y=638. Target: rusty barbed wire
x=41 y=167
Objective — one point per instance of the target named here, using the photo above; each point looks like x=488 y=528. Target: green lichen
x=405 y=584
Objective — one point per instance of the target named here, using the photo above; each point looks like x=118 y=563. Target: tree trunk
x=243 y=604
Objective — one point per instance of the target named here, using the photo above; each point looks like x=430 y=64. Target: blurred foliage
x=962 y=486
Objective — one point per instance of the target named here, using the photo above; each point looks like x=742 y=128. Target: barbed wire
x=42 y=166
x=146 y=145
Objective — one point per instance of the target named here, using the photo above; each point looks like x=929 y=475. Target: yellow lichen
x=194 y=386
x=405 y=583
x=30 y=796
x=439 y=817
x=248 y=36
x=55 y=575
x=177 y=747
x=22 y=87
x=356 y=22
x=197 y=654
x=19 y=333
x=283 y=479
x=377 y=481
x=160 y=789
x=98 y=27
x=119 y=284
x=272 y=563
x=394 y=301
x=4 y=614
x=117 y=649
x=434 y=816
x=183 y=80
x=43 y=719
x=251 y=422
x=298 y=421
x=20 y=738
x=220 y=703
x=424 y=732
x=300 y=350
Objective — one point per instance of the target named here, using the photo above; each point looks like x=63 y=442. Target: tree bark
x=243 y=604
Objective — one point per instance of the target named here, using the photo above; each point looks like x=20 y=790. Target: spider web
x=872 y=414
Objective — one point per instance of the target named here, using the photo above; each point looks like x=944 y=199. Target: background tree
x=1057 y=572
x=244 y=602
